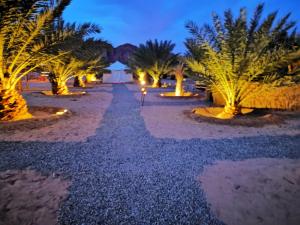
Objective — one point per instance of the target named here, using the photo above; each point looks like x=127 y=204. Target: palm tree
x=90 y=69
x=179 y=71
x=78 y=56
x=137 y=71
x=91 y=50
x=155 y=58
x=61 y=72
x=22 y=49
x=234 y=54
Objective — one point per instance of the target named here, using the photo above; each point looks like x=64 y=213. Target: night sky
x=135 y=21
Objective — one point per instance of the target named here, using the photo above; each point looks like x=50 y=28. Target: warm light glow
x=60 y=113
x=145 y=92
x=178 y=90
x=161 y=94
x=142 y=76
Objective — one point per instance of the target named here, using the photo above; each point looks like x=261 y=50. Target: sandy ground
x=256 y=191
x=165 y=118
x=28 y=198
x=87 y=113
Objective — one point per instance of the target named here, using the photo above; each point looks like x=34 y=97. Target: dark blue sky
x=135 y=21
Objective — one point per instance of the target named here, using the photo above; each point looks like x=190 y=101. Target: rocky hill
x=121 y=53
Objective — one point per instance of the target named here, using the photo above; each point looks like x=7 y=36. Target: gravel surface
x=123 y=175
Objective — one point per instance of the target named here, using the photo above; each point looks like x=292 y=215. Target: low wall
x=270 y=97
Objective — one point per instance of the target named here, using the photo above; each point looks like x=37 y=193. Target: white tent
x=118 y=74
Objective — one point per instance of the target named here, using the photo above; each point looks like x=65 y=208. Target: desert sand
x=166 y=118
x=29 y=198
x=255 y=191
x=87 y=113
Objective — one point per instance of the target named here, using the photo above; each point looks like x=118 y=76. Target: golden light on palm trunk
x=59 y=88
x=91 y=77
x=156 y=83
x=178 y=72
x=142 y=76
x=61 y=72
x=13 y=106
x=78 y=81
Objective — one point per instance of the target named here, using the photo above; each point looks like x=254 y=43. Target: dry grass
x=269 y=98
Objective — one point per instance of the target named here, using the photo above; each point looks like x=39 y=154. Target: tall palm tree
x=22 y=49
x=155 y=58
x=234 y=54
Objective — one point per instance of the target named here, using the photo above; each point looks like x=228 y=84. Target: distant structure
x=117 y=75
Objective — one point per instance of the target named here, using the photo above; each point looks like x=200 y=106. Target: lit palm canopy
x=233 y=54
x=155 y=58
x=81 y=57
x=22 y=48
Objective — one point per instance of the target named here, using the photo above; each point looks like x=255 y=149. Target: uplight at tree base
x=91 y=78
x=60 y=113
x=142 y=77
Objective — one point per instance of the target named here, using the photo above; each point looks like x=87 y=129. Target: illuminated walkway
x=123 y=175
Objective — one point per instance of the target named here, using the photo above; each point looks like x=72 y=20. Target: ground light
x=60 y=113
x=143 y=92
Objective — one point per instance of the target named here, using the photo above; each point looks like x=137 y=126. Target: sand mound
x=248 y=117
x=70 y=94
x=30 y=198
x=41 y=117
x=255 y=191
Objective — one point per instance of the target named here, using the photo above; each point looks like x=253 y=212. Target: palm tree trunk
x=156 y=83
x=91 y=78
x=78 y=82
x=58 y=87
x=230 y=111
x=12 y=106
x=179 y=88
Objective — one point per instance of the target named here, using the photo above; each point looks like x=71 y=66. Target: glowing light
x=60 y=113
x=143 y=82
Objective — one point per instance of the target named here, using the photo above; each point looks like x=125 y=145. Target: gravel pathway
x=123 y=175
